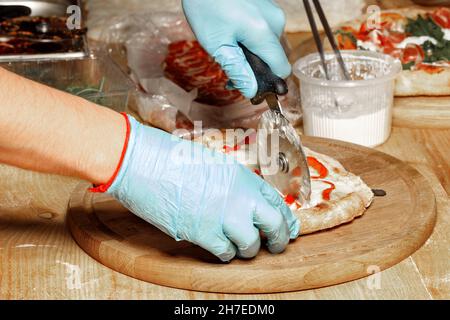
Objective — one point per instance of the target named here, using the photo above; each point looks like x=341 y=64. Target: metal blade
x=273 y=103
x=281 y=157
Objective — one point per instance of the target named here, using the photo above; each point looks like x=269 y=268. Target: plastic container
x=359 y=110
x=97 y=79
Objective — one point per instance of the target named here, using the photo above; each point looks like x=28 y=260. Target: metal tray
x=95 y=78
x=46 y=8
x=42 y=8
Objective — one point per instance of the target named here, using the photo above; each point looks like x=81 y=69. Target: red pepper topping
x=257 y=171
x=251 y=138
x=227 y=149
x=327 y=192
x=289 y=199
x=296 y=172
x=318 y=166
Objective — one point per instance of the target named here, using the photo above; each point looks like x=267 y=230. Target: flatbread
x=337 y=196
x=348 y=201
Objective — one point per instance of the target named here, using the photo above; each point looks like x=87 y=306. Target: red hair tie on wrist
x=104 y=187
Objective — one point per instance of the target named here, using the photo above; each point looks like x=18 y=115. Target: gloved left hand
x=203 y=196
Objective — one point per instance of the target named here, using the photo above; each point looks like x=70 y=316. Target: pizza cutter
x=281 y=156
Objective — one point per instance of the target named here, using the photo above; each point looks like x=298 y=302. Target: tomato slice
x=392 y=16
x=394 y=52
x=390 y=19
x=348 y=29
x=430 y=68
x=386 y=42
x=397 y=37
x=345 y=42
x=363 y=30
x=412 y=53
x=442 y=17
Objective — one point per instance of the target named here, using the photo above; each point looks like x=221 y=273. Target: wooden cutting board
x=411 y=112
x=391 y=229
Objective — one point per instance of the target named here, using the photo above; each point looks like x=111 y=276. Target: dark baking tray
x=45 y=8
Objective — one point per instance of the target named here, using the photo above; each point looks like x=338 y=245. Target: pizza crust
x=330 y=214
x=344 y=207
x=339 y=174
x=421 y=83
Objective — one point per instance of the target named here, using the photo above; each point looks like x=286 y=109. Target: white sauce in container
x=369 y=129
x=358 y=111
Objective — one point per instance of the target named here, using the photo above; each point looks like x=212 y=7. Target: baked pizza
x=337 y=196
x=419 y=38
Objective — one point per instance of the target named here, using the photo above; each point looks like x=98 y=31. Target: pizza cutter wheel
x=280 y=153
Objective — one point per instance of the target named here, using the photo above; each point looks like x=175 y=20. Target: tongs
x=329 y=35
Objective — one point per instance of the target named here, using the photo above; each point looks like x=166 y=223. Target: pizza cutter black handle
x=268 y=82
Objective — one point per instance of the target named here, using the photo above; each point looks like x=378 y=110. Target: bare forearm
x=48 y=130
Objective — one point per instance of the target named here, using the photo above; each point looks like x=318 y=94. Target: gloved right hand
x=258 y=24
x=199 y=195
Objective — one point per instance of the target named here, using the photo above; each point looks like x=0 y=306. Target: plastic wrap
x=140 y=44
x=337 y=12
x=296 y=20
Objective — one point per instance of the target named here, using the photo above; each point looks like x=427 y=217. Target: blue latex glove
x=258 y=24
x=210 y=199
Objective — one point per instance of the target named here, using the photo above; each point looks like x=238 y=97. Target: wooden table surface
x=40 y=260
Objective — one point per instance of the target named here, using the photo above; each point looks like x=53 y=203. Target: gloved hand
x=200 y=195
x=258 y=24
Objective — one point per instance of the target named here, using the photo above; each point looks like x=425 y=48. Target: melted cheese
x=415 y=40
x=367 y=45
x=446 y=34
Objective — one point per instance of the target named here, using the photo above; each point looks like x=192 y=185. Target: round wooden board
x=411 y=112
x=391 y=229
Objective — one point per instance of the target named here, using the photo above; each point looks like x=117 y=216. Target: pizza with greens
x=420 y=39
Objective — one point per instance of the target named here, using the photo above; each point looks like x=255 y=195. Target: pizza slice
x=337 y=196
x=419 y=38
